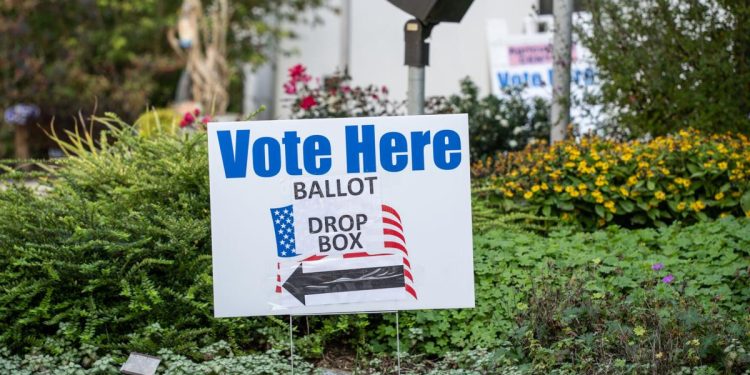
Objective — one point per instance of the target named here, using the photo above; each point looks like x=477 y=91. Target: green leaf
x=565 y=206
x=626 y=205
x=600 y=210
x=745 y=201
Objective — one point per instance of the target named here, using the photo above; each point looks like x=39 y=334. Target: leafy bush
x=688 y=176
x=116 y=252
x=336 y=97
x=508 y=122
x=708 y=264
x=66 y=58
x=668 y=65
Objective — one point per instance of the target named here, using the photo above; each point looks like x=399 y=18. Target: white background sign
x=518 y=60
x=394 y=235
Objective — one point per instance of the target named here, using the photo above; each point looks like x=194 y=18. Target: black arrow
x=301 y=284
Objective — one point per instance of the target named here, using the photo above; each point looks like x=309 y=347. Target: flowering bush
x=335 y=97
x=496 y=123
x=686 y=176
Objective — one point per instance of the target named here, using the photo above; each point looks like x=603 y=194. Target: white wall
x=377 y=46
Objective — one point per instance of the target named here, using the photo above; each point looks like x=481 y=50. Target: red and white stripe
x=393 y=231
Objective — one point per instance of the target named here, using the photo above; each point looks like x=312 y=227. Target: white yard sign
x=340 y=215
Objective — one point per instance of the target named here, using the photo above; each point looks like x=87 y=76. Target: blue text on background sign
x=396 y=152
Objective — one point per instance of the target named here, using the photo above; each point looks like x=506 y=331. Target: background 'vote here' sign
x=340 y=215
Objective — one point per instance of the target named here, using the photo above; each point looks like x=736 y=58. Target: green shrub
x=708 y=261
x=668 y=65
x=688 y=176
x=116 y=253
x=496 y=123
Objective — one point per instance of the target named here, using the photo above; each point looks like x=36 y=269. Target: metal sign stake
x=291 y=345
x=398 y=345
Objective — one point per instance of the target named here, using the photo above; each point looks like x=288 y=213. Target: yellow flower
x=535 y=188
x=697 y=206
x=695 y=342
x=508 y=193
x=610 y=205
x=682 y=181
x=582 y=186
x=719 y=196
x=723 y=166
x=574 y=193
x=681 y=206
x=659 y=355
x=632 y=180
x=601 y=181
x=626 y=157
x=570 y=165
x=544 y=186
x=557 y=188
x=597 y=196
x=527 y=195
x=639 y=331
x=660 y=195
x=624 y=191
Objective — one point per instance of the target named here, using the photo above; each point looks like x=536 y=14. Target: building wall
x=376 y=46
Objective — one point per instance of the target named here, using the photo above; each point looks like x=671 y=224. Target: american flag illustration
x=393 y=234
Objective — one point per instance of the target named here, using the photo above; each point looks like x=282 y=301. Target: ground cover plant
x=112 y=255
x=687 y=176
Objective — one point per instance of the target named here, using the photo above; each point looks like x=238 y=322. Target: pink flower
x=188 y=118
x=668 y=279
x=384 y=89
x=296 y=72
x=183 y=123
x=375 y=96
x=197 y=112
x=290 y=88
x=345 y=89
x=657 y=266
x=206 y=119
x=308 y=102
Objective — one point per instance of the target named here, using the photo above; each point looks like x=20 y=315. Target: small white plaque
x=140 y=364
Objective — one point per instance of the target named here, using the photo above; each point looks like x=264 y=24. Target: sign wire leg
x=398 y=346
x=291 y=345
